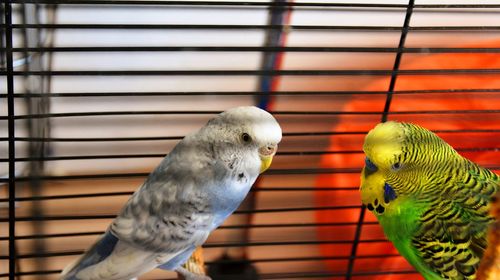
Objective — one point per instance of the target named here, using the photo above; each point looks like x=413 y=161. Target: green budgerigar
x=432 y=203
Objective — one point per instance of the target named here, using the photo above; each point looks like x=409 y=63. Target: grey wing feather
x=170 y=211
x=100 y=251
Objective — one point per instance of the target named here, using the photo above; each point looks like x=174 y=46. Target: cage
x=95 y=92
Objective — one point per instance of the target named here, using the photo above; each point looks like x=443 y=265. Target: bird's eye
x=246 y=138
x=396 y=166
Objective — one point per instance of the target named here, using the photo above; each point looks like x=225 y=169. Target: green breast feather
x=432 y=203
x=400 y=221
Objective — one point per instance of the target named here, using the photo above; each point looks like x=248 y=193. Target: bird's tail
x=102 y=248
x=112 y=259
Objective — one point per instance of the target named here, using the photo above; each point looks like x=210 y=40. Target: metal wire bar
x=262 y=276
x=304 y=113
x=216 y=245
x=283 y=153
x=260 y=49
x=295 y=171
x=301 y=259
x=110 y=216
x=223 y=227
x=229 y=261
x=366 y=72
x=252 y=261
x=168 y=138
x=248 y=93
x=12 y=257
x=397 y=62
x=253 y=4
x=309 y=274
x=211 y=3
x=28 y=273
x=99 y=139
x=87 y=195
x=116 y=26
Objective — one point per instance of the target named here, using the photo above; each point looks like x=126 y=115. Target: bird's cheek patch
x=389 y=193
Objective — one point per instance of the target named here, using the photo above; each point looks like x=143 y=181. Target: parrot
x=189 y=194
x=432 y=203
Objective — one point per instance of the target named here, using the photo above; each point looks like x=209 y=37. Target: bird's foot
x=188 y=275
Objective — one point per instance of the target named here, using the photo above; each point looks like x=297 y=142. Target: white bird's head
x=250 y=129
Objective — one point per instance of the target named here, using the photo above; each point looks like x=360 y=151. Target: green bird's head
x=401 y=159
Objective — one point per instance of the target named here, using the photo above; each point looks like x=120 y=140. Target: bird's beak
x=266 y=154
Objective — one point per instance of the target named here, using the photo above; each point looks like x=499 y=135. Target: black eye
x=396 y=166
x=246 y=138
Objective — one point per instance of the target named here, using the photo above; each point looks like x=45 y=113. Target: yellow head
x=400 y=160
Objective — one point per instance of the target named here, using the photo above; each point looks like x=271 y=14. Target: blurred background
x=94 y=93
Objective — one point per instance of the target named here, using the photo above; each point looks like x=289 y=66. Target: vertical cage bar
x=11 y=137
x=2 y=37
x=397 y=61
x=37 y=128
x=385 y=113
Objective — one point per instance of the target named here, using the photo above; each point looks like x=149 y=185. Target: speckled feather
x=438 y=216
x=191 y=192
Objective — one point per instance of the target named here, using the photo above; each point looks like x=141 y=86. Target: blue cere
x=370 y=165
x=389 y=193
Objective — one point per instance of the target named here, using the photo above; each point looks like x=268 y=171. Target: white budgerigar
x=191 y=192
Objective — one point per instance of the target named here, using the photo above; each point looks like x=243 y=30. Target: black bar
x=207 y=93
x=323 y=275
x=213 y=3
x=454 y=28
x=141 y=156
x=11 y=131
x=87 y=195
x=397 y=61
x=248 y=27
x=223 y=27
x=73 y=234
x=296 y=171
x=130 y=113
x=262 y=276
x=27 y=273
x=295 y=259
x=217 y=245
x=168 y=138
x=247 y=93
x=254 y=72
x=284 y=153
x=454 y=6
x=229 y=261
x=252 y=4
x=99 y=139
x=279 y=113
x=255 y=49
x=390 y=92
x=111 y=216
x=56 y=235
